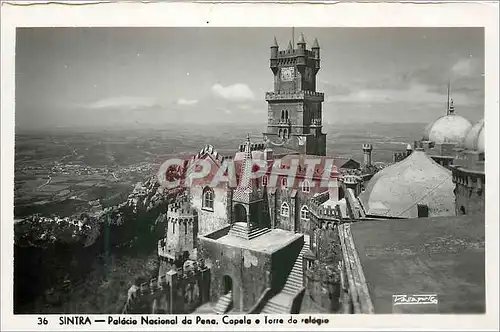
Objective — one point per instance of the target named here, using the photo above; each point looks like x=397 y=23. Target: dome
x=474 y=140
x=396 y=190
x=450 y=128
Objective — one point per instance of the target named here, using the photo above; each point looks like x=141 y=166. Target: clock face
x=287 y=74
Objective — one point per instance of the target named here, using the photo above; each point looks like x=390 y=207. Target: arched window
x=304 y=213
x=282 y=114
x=285 y=210
x=284 y=182
x=208 y=198
x=286 y=114
x=306 y=186
x=285 y=133
x=280 y=133
x=264 y=181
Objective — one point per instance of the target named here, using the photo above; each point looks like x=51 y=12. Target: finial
x=275 y=42
x=451 y=109
x=315 y=44
x=248 y=137
x=290 y=47
x=301 y=39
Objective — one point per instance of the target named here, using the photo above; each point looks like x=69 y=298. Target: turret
x=301 y=50
x=409 y=150
x=301 y=43
x=315 y=50
x=274 y=56
x=367 y=154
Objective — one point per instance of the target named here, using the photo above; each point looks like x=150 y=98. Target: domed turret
x=474 y=140
x=449 y=128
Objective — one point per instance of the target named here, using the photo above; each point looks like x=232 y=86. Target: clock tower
x=294 y=107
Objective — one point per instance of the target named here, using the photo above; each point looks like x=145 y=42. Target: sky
x=120 y=77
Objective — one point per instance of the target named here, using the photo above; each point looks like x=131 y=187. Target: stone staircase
x=294 y=282
x=241 y=229
x=281 y=302
x=224 y=304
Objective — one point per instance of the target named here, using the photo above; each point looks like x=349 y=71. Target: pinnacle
x=301 y=39
x=290 y=47
x=315 y=44
x=275 y=43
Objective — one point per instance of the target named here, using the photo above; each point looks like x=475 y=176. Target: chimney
x=367 y=153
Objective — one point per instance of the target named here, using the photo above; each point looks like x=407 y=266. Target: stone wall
x=248 y=270
x=174 y=292
x=211 y=220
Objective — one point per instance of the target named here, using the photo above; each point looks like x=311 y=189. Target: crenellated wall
x=175 y=292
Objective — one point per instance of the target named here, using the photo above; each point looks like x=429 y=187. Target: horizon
x=148 y=77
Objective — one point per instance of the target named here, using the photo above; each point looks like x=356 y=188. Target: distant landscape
x=100 y=182
x=61 y=171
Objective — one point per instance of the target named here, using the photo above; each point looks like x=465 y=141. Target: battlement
x=210 y=150
x=367 y=147
x=399 y=156
x=350 y=179
x=295 y=52
x=300 y=95
x=316 y=122
x=142 y=295
x=328 y=212
x=253 y=147
x=181 y=209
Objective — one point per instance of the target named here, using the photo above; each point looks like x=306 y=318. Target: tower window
x=264 y=181
x=285 y=133
x=285 y=210
x=286 y=114
x=304 y=213
x=208 y=198
x=306 y=187
x=284 y=182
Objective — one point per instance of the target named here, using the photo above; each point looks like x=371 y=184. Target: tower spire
x=293 y=36
x=448 y=100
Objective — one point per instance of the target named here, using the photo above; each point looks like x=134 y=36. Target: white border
x=255 y=15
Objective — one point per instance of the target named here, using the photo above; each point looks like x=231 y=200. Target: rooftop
x=443 y=256
x=267 y=243
x=397 y=190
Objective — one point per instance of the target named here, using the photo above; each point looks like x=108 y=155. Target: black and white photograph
x=257 y=171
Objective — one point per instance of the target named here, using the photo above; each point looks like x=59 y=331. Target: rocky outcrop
x=64 y=248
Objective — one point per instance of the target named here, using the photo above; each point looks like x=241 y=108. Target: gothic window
x=173 y=228
x=304 y=213
x=284 y=182
x=285 y=133
x=286 y=114
x=264 y=181
x=208 y=198
x=285 y=210
x=282 y=114
x=306 y=186
x=280 y=133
